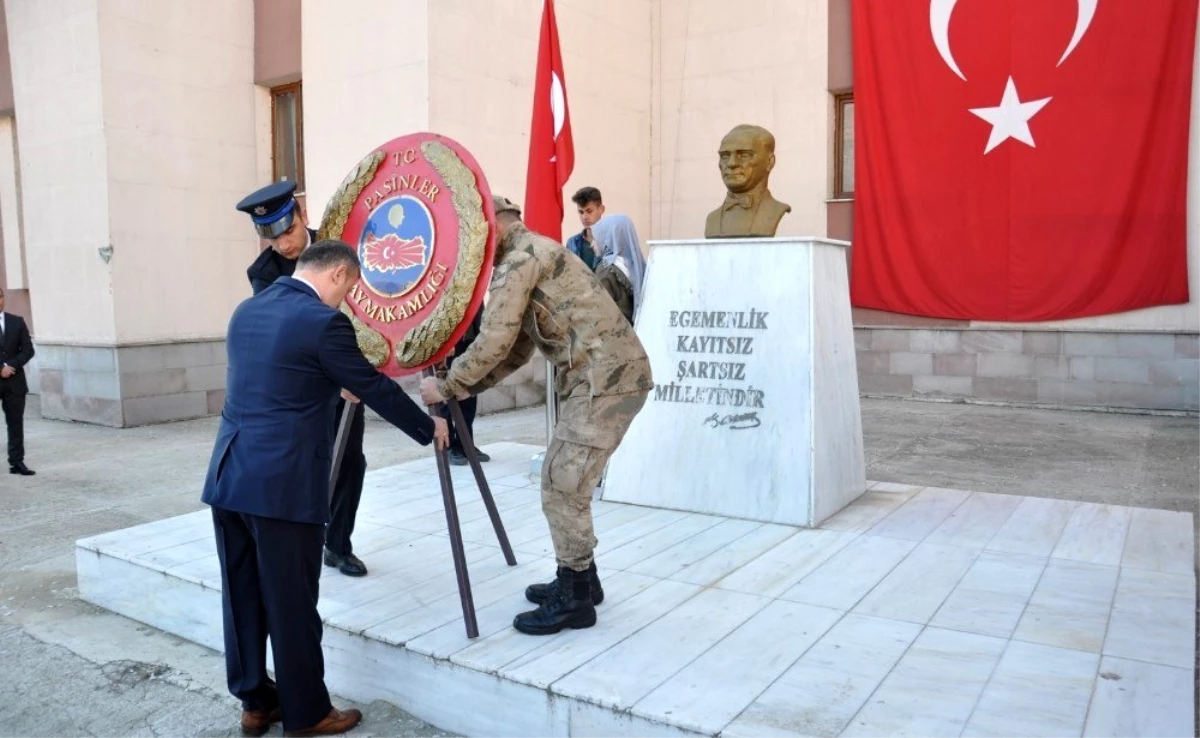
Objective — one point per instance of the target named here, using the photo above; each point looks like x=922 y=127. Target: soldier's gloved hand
x=430 y=394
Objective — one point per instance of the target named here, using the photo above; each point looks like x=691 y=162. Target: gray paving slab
x=93 y=479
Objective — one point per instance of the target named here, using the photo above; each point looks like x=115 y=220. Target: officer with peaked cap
x=281 y=222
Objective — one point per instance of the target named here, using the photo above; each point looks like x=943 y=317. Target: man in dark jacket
x=282 y=223
x=290 y=350
x=16 y=349
x=279 y=220
x=591 y=210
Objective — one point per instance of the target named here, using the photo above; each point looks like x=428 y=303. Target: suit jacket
x=16 y=349
x=270 y=266
x=765 y=222
x=289 y=354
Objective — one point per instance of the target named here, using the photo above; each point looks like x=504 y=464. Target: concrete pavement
x=72 y=669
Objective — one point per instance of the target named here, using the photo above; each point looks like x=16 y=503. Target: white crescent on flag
x=558 y=103
x=939 y=25
x=1087 y=11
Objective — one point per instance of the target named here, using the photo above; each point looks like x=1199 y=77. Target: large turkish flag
x=1021 y=159
x=551 y=148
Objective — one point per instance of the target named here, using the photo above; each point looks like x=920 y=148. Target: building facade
x=128 y=130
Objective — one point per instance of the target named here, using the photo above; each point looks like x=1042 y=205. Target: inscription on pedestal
x=704 y=358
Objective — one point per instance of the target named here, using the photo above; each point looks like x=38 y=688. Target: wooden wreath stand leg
x=447 y=484
x=456 y=542
x=339 y=443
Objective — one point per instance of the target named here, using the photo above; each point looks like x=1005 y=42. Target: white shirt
x=311 y=286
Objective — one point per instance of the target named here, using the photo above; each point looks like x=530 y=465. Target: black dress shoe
x=350 y=565
x=570 y=606
x=539 y=593
x=482 y=456
x=21 y=469
x=457 y=457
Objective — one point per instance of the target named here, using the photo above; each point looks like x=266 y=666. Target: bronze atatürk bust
x=746 y=157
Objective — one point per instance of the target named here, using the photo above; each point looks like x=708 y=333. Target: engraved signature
x=733 y=422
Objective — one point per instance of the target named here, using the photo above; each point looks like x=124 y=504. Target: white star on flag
x=1010 y=119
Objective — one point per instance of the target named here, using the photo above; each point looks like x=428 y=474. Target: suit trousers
x=347 y=492
x=12 y=401
x=270 y=571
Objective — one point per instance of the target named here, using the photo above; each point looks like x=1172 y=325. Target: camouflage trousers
x=586 y=435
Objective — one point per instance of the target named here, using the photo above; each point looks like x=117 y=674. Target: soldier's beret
x=272 y=208
x=502 y=203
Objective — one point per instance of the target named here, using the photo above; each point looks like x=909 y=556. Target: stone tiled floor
x=915 y=611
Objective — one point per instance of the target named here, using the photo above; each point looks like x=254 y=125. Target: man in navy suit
x=16 y=349
x=281 y=222
x=290 y=351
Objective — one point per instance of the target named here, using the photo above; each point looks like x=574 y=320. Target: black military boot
x=569 y=606
x=539 y=593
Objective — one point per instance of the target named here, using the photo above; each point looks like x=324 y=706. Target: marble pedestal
x=755 y=412
x=914 y=611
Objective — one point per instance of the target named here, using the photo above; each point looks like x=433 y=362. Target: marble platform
x=914 y=611
x=756 y=386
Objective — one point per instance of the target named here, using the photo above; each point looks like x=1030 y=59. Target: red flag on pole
x=1021 y=160
x=551 y=150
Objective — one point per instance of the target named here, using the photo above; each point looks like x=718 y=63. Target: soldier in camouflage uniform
x=544 y=297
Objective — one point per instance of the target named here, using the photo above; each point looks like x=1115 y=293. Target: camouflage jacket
x=543 y=297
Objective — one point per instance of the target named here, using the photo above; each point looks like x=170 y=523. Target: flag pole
x=551 y=161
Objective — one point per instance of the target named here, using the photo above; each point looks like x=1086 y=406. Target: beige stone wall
x=137 y=132
x=465 y=69
x=6 y=90
x=482 y=62
x=277 y=50
x=716 y=66
x=652 y=86
x=362 y=86
x=56 y=65
x=1131 y=370
x=13 y=246
x=176 y=170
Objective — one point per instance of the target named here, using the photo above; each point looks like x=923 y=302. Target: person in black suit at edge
x=282 y=222
x=16 y=349
x=456 y=454
x=290 y=350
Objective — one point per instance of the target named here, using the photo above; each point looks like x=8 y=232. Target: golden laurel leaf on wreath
x=372 y=343
x=431 y=335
